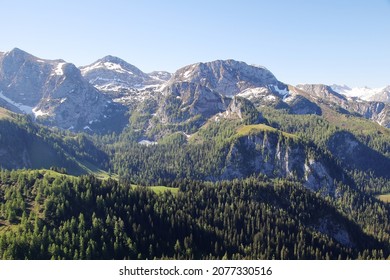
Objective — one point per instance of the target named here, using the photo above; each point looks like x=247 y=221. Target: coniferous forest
x=49 y=215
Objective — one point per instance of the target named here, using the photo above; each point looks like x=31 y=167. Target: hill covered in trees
x=48 y=215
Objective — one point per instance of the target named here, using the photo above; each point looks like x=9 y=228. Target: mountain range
x=97 y=97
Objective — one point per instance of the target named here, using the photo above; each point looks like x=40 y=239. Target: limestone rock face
x=53 y=91
x=184 y=100
x=276 y=156
x=228 y=77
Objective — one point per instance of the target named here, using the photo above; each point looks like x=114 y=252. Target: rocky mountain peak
x=228 y=77
x=114 y=59
x=112 y=64
x=18 y=53
x=114 y=74
x=53 y=91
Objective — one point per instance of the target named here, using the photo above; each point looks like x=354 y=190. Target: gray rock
x=52 y=90
x=227 y=77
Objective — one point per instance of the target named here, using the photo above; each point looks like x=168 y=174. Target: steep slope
x=185 y=100
x=382 y=96
x=359 y=146
x=52 y=90
x=353 y=154
x=24 y=144
x=242 y=109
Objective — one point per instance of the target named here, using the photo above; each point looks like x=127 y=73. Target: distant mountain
x=53 y=91
x=114 y=74
x=163 y=76
x=327 y=97
x=365 y=93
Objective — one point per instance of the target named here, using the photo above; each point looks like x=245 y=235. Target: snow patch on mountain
x=24 y=108
x=106 y=65
x=254 y=92
x=147 y=142
x=162 y=76
x=39 y=113
x=58 y=70
x=282 y=92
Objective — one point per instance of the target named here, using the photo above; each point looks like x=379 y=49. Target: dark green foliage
x=27 y=145
x=51 y=216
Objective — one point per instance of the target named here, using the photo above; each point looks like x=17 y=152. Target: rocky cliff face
x=241 y=108
x=23 y=76
x=227 y=77
x=162 y=76
x=52 y=90
x=325 y=92
x=276 y=156
x=185 y=100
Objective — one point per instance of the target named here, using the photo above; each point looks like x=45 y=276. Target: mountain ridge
x=53 y=91
x=113 y=87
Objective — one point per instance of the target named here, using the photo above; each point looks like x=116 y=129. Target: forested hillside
x=24 y=144
x=47 y=215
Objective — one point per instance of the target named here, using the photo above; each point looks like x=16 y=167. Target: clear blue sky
x=300 y=41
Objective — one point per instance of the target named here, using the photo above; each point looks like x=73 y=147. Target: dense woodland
x=46 y=215
x=49 y=215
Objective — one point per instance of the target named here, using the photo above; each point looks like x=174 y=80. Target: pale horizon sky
x=299 y=41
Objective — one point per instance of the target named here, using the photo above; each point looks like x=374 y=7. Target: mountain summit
x=52 y=90
x=228 y=77
x=114 y=74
